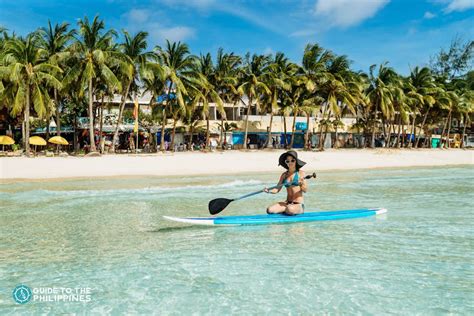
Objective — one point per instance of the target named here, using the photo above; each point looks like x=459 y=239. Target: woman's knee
x=292 y=210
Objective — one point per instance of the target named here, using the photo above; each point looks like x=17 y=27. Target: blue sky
x=405 y=33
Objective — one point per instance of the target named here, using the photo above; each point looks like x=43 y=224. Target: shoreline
x=221 y=163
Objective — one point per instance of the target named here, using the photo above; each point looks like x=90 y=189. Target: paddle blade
x=217 y=205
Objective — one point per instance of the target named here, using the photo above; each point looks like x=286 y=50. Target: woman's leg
x=294 y=209
x=277 y=208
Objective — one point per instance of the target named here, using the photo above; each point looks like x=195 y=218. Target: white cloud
x=140 y=20
x=268 y=51
x=191 y=3
x=459 y=5
x=428 y=15
x=138 y=15
x=175 y=34
x=346 y=13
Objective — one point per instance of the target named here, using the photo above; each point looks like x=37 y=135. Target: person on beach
x=294 y=182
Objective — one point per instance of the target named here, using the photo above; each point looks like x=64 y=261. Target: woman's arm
x=302 y=181
x=276 y=190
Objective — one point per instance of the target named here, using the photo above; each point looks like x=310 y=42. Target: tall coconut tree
x=93 y=55
x=315 y=62
x=26 y=67
x=209 y=91
x=225 y=81
x=180 y=74
x=134 y=68
x=340 y=91
x=278 y=79
x=252 y=83
x=422 y=87
x=54 y=41
x=380 y=93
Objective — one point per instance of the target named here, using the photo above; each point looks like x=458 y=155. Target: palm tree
x=26 y=67
x=55 y=42
x=155 y=84
x=93 y=57
x=252 y=83
x=136 y=62
x=208 y=87
x=179 y=74
x=225 y=80
x=278 y=79
x=380 y=93
x=340 y=91
x=423 y=88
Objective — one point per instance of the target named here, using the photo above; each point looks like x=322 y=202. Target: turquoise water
x=108 y=235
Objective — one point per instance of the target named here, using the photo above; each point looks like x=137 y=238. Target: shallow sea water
x=109 y=235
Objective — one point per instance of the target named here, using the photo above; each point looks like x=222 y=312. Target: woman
x=295 y=184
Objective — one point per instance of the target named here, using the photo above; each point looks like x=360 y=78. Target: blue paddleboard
x=278 y=218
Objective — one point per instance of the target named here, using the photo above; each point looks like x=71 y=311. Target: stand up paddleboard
x=278 y=218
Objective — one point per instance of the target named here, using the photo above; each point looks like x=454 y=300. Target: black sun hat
x=294 y=154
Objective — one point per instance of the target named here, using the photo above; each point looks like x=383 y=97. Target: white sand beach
x=228 y=162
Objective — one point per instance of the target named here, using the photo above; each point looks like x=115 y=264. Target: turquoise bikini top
x=295 y=181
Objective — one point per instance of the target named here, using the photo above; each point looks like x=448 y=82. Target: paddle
x=218 y=205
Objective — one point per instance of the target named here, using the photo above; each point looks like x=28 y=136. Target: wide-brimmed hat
x=294 y=154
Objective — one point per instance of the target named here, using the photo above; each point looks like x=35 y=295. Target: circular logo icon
x=21 y=294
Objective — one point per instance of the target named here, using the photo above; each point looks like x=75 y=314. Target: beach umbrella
x=37 y=141
x=58 y=140
x=6 y=140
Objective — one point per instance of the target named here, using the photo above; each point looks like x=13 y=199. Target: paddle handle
x=271 y=188
x=254 y=193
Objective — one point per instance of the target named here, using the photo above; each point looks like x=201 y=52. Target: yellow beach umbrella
x=37 y=141
x=6 y=140
x=58 y=140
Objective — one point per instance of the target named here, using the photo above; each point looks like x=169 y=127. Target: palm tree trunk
x=372 y=142
x=191 y=138
x=221 y=139
x=26 y=137
x=163 y=125
x=119 y=119
x=325 y=134
x=465 y=121
x=74 y=141
x=269 y=135
x=91 y=119
x=321 y=144
x=208 y=147
x=48 y=119
x=284 y=127
x=336 y=141
x=173 y=134
x=101 y=124
x=389 y=136
x=448 y=144
x=58 y=118
x=399 y=130
x=403 y=133
x=413 y=131
x=247 y=121
x=422 y=125
x=408 y=127
x=307 y=145
x=444 y=129
x=293 y=130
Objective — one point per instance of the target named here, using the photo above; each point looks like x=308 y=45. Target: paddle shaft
x=271 y=188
